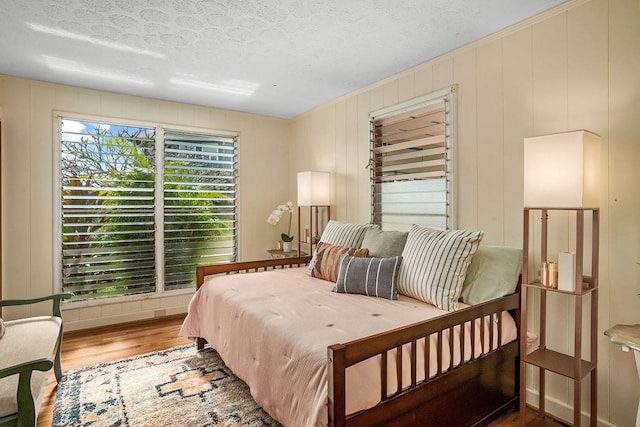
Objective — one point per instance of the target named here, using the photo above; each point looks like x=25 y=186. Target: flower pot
x=287 y=246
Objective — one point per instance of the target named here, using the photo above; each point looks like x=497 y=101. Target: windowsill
x=74 y=305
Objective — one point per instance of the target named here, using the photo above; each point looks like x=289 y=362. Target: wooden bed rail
x=342 y=356
x=248 y=267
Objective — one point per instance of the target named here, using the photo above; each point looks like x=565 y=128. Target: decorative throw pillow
x=434 y=264
x=2 y=328
x=368 y=276
x=493 y=273
x=328 y=257
x=342 y=234
x=384 y=244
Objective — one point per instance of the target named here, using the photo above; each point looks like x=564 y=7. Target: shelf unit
x=314 y=227
x=573 y=367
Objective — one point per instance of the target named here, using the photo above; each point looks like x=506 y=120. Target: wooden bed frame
x=471 y=394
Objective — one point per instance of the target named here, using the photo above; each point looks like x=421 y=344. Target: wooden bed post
x=200 y=343
x=337 y=398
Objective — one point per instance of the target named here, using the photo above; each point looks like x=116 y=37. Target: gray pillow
x=384 y=244
x=493 y=273
x=368 y=276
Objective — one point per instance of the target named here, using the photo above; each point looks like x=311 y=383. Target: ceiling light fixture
x=70 y=66
x=231 y=86
x=88 y=39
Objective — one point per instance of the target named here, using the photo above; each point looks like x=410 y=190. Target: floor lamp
x=314 y=191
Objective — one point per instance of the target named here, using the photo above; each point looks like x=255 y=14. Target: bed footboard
x=471 y=393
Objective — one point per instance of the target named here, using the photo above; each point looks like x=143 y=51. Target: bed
x=313 y=357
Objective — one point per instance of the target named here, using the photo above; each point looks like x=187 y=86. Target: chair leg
x=26 y=406
x=57 y=367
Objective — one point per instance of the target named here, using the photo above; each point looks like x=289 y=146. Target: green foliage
x=108 y=218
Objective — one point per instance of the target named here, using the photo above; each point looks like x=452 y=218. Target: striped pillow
x=435 y=263
x=328 y=258
x=368 y=276
x=342 y=234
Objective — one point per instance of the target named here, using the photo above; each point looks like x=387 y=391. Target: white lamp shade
x=562 y=170
x=314 y=188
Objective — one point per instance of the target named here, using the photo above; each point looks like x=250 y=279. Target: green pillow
x=493 y=273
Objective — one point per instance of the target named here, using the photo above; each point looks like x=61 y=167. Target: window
x=140 y=207
x=199 y=204
x=411 y=163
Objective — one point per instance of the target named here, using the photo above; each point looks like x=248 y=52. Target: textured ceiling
x=278 y=58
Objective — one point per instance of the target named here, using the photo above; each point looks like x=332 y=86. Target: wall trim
x=562 y=411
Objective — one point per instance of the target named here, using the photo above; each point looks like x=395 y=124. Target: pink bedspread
x=273 y=328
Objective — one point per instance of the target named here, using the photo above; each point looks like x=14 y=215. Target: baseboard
x=122 y=322
x=562 y=411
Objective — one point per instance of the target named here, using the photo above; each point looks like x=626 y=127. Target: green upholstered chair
x=29 y=348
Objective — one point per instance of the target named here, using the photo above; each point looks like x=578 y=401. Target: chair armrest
x=57 y=298
x=43 y=364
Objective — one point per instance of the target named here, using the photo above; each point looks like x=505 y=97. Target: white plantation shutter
x=412 y=163
x=142 y=206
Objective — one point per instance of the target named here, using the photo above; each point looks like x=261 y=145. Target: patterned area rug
x=175 y=387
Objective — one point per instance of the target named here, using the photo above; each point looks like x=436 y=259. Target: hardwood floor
x=99 y=345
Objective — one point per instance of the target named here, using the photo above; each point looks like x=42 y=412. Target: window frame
x=448 y=95
x=160 y=129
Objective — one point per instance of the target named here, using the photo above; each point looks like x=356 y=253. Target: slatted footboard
x=471 y=393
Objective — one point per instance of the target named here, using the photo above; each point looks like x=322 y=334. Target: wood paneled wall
x=27 y=113
x=575 y=66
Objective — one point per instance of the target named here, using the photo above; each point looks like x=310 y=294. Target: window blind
x=200 y=207
x=410 y=166
x=141 y=207
x=107 y=191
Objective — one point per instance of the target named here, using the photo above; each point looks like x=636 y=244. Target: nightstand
x=279 y=253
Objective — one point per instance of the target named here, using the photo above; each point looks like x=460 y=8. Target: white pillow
x=342 y=234
x=434 y=264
